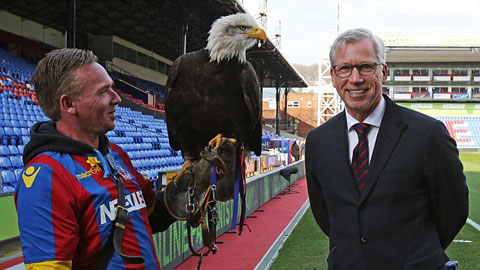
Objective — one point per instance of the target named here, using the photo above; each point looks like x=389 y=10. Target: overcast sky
x=308 y=26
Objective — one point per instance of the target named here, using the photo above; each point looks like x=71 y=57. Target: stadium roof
x=154 y=25
x=422 y=48
x=429 y=54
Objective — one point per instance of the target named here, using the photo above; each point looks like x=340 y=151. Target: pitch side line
x=475 y=225
x=272 y=252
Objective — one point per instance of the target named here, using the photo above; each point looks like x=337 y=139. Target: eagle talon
x=216 y=141
x=187 y=165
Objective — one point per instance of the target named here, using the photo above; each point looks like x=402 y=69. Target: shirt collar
x=374 y=119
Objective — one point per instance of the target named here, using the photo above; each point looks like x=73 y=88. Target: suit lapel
x=390 y=131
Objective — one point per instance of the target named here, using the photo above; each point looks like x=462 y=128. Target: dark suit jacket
x=414 y=203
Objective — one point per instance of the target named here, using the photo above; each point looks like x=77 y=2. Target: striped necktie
x=359 y=164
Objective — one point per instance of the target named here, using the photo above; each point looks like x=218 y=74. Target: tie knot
x=361 y=129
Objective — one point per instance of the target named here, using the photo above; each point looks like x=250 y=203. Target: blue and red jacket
x=66 y=207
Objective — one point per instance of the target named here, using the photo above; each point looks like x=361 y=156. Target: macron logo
x=133 y=202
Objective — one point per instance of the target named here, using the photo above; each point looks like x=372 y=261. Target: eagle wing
x=251 y=94
x=171 y=101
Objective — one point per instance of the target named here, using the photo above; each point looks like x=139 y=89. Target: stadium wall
x=141 y=72
x=32 y=30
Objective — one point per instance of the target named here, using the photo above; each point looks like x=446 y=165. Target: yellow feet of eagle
x=217 y=141
x=187 y=165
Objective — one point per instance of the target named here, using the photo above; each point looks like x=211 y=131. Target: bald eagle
x=214 y=91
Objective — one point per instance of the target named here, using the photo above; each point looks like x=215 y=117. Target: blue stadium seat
x=7 y=123
x=8 y=181
x=16 y=162
x=4 y=140
x=8 y=131
x=4 y=151
x=5 y=163
x=14 y=150
x=17 y=131
x=25 y=139
x=22 y=123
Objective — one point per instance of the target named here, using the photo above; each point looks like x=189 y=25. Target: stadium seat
x=8 y=177
x=5 y=163
x=8 y=131
x=4 y=151
x=16 y=162
x=17 y=131
x=8 y=181
x=14 y=150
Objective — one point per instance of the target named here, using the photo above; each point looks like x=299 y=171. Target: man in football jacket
x=67 y=196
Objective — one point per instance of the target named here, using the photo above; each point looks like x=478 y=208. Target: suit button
x=363 y=240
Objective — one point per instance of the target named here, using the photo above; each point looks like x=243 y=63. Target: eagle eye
x=242 y=27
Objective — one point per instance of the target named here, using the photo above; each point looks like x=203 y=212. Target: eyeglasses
x=344 y=71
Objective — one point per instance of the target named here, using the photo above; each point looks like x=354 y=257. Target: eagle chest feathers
x=210 y=98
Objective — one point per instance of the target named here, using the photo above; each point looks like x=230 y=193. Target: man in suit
x=385 y=182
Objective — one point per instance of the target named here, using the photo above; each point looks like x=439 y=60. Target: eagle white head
x=231 y=36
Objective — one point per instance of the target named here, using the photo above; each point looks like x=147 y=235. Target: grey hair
x=55 y=76
x=357 y=35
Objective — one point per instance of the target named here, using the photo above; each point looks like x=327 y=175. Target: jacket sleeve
x=315 y=193
x=47 y=216
x=448 y=188
x=159 y=217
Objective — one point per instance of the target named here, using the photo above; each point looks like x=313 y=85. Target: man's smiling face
x=361 y=93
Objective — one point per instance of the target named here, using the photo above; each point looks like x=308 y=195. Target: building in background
x=301 y=113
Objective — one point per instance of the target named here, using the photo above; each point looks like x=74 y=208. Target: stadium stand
x=464 y=129
x=27 y=48
x=143 y=137
x=147 y=85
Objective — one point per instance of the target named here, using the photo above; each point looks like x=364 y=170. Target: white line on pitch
x=475 y=225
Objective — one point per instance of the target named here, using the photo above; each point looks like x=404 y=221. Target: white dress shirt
x=374 y=119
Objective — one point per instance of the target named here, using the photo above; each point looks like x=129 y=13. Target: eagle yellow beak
x=257 y=33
